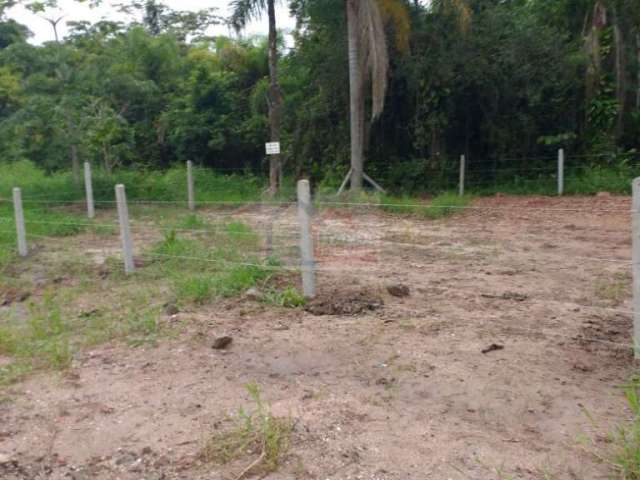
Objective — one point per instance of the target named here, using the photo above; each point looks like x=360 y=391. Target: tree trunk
x=356 y=98
x=275 y=99
x=75 y=164
x=638 y=78
x=107 y=159
x=621 y=74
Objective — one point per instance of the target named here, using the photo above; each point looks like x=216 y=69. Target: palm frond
x=374 y=54
x=243 y=11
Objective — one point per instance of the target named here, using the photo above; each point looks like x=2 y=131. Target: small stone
x=253 y=294
x=603 y=194
x=4 y=459
x=398 y=290
x=171 y=309
x=221 y=343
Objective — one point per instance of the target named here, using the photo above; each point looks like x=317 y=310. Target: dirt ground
x=398 y=390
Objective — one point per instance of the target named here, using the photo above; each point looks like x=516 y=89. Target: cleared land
x=117 y=377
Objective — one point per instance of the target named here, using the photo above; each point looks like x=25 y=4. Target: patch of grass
x=192 y=221
x=401 y=205
x=40 y=342
x=613 y=290
x=202 y=271
x=287 y=298
x=241 y=233
x=625 y=454
x=256 y=433
x=228 y=281
x=446 y=204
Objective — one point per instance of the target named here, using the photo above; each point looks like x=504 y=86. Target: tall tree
x=243 y=12
x=368 y=58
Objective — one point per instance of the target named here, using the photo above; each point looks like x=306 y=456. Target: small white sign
x=273 y=148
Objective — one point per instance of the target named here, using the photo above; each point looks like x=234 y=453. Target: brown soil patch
x=399 y=392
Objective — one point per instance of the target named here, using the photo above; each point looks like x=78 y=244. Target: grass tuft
x=288 y=298
x=625 y=456
x=256 y=433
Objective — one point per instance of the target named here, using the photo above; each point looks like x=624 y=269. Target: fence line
x=326 y=238
x=308 y=266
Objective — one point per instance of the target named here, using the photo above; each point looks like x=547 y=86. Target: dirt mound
x=344 y=303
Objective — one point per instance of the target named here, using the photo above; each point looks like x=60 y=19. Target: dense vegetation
x=506 y=83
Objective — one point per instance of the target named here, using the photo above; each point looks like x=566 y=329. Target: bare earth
x=402 y=391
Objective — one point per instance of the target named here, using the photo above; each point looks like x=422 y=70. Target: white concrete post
x=190 y=190
x=636 y=266
x=88 y=187
x=561 y=171
x=463 y=168
x=306 y=240
x=125 y=229
x=20 y=230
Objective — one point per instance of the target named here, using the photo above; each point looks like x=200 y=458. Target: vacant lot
x=502 y=362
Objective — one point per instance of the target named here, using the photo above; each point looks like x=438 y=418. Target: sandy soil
x=402 y=391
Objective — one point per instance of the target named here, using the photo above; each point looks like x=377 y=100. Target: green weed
x=625 y=456
x=288 y=298
x=257 y=433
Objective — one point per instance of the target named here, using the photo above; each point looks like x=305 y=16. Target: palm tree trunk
x=621 y=73
x=356 y=98
x=638 y=79
x=275 y=99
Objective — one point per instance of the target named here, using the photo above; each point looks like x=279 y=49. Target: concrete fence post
x=561 y=171
x=636 y=266
x=306 y=239
x=463 y=168
x=125 y=229
x=20 y=228
x=190 y=189
x=88 y=187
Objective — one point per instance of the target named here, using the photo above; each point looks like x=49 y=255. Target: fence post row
x=88 y=187
x=125 y=229
x=190 y=191
x=20 y=229
x=306 y=240
x=463 y=167
x=561 y=171
x=636 y=266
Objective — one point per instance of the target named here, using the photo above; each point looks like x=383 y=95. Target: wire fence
x=275 y=236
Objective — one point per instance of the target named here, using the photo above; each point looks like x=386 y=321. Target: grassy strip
x=443 y=205
x=167 y=185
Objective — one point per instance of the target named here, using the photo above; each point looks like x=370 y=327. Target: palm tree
x=243 y=12
x=368 y=58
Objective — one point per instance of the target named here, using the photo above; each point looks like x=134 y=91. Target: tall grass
x=625 y=456
x=156 y=185
x=440 y=206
